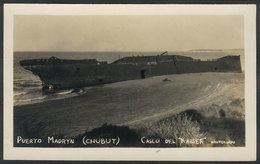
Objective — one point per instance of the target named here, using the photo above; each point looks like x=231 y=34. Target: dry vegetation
x=224 y=124
x=181 y=126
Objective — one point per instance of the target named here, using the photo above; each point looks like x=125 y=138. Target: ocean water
x=27 y=87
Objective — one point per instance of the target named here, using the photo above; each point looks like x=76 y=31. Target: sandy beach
x=131 y=103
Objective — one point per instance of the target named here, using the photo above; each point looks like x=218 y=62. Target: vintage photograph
x=148 y=81
x=136 y=79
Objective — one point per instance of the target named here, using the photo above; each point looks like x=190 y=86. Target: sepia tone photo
x=148 y=81
x=129 y=81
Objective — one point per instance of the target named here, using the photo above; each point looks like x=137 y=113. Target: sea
x=28 y=87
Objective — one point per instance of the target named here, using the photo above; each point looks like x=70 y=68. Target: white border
x=247 y=153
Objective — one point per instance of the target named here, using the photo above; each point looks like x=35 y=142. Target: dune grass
x=180 y=126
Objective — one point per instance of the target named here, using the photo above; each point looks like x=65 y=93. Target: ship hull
x=61 y=75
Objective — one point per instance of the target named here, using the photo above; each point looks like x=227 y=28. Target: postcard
x=129 y=82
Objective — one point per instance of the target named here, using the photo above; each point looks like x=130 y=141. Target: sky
x=127 y=32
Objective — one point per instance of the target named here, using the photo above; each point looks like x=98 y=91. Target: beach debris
x=166 y=79
x=222 y=113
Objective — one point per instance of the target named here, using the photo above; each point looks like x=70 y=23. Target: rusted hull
x=60 y=75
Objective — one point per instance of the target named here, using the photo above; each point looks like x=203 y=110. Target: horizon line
x=208 y=49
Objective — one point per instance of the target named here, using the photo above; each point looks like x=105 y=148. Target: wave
x=20 y=93
x=32 y=99
x=80 y=91
x=27 y=85
x=34 y=96
x=65 y=92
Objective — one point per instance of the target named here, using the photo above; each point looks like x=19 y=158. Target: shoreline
x=130 y=103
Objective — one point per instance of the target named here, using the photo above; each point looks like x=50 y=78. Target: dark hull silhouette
x=60 y=73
